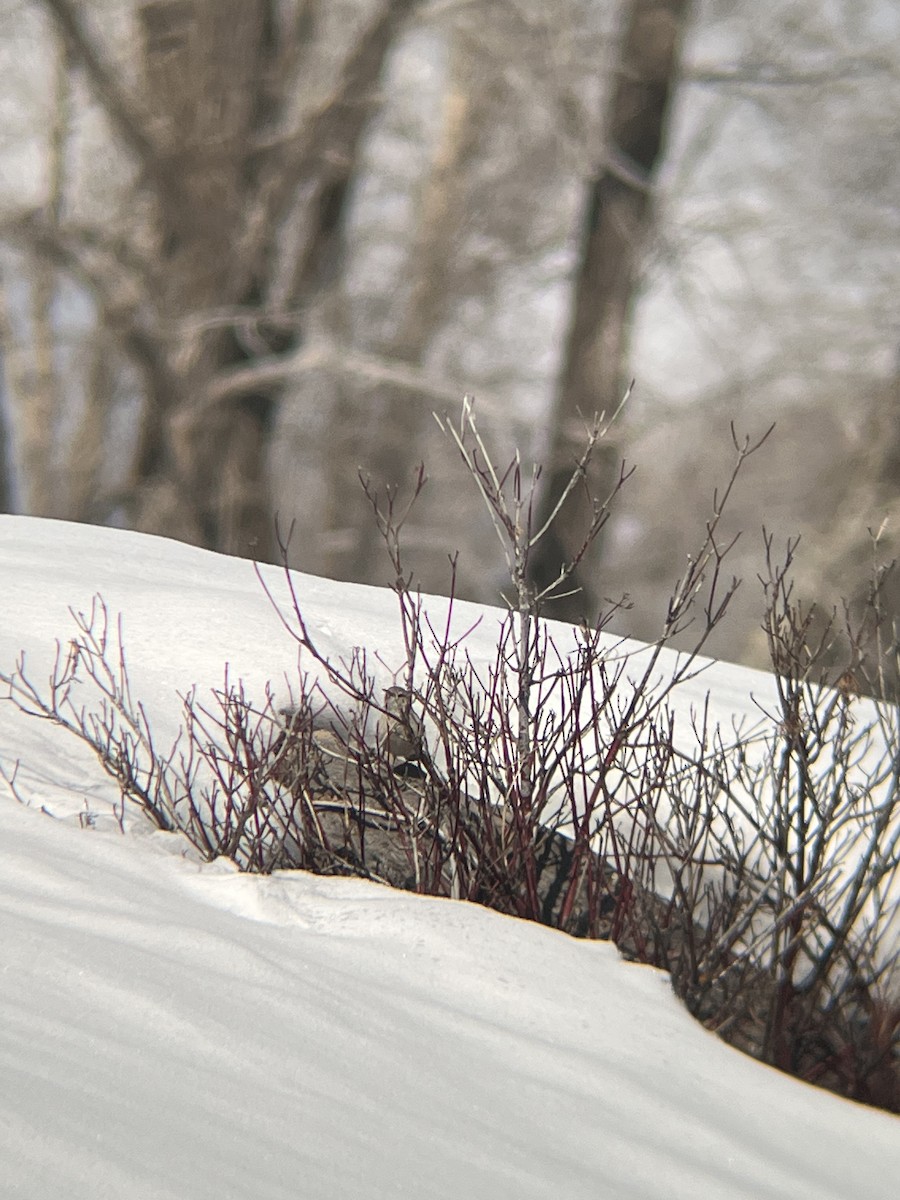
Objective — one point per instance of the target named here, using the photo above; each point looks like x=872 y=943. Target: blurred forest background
x=247 y=247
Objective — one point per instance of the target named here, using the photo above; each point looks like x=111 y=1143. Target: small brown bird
x=400 y=729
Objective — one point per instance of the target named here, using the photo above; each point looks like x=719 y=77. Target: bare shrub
x=825 y=825
x=549 y=781
x=107 y=718
x=775 y=866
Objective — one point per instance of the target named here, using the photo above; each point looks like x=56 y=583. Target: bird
x=400 y=729
x=339 y=735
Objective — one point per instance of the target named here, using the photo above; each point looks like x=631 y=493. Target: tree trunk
x=617 y=219
x=200 y=474
x=390 y=447
x=7 y=399
x=207 y=67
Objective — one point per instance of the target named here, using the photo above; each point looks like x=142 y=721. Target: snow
x=175 y=1029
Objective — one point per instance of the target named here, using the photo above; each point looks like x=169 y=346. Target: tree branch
x=123 y=111
x=325 y=147
x=277 y=370
x=63 y=248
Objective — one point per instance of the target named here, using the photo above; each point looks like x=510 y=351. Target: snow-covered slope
x=174 y=1029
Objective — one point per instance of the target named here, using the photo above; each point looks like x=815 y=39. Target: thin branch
x=326 y=355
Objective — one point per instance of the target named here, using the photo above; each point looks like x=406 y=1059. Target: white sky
x=172 y=1029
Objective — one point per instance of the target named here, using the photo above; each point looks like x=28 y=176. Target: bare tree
x=391 y=446
x=224 y=236
x=616 y=222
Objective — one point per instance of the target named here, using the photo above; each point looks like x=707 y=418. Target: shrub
x=756 y=865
